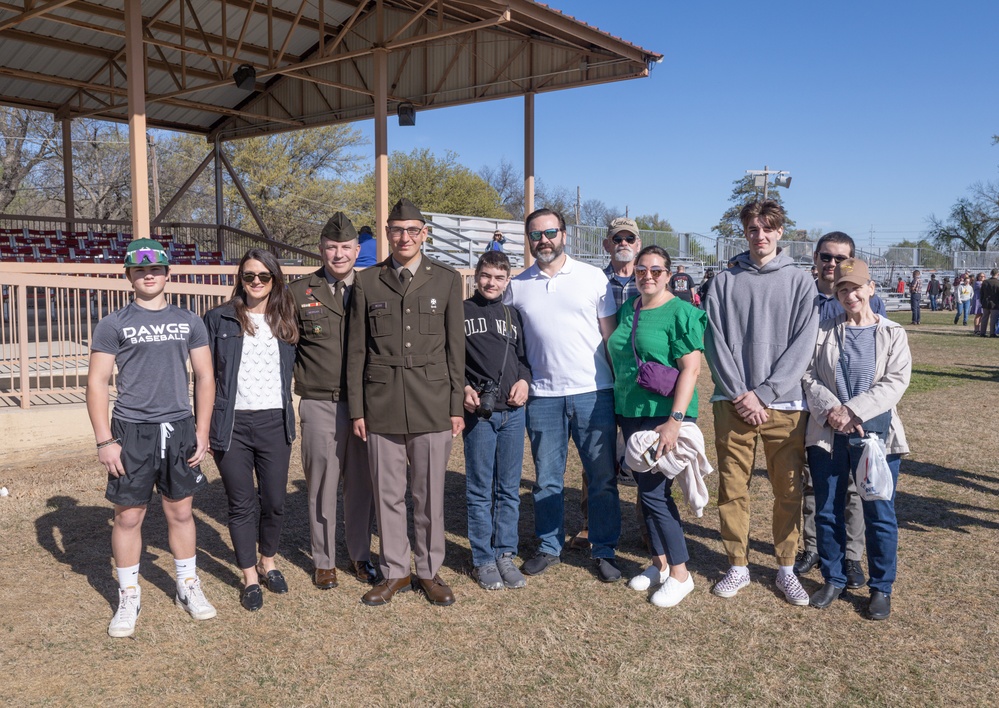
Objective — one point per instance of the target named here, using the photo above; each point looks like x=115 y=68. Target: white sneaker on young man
x=193 y=600
x=788 y=584
x=129 y=604
x=648 y=577
x=734 y=581
x=672 y=591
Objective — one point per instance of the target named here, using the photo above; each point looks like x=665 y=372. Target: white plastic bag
x=873 y=475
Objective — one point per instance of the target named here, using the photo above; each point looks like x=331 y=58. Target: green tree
x=653 y=222
x=743 y=192
x=434 y=183
x=973 y=224
x=928 y=255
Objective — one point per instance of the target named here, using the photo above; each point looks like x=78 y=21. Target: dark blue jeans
x=914 y=301
x=829 y=479
x=494 y=461
x=588 y=418
x=655 y=491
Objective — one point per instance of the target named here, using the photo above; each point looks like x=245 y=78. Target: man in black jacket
x=989 y=295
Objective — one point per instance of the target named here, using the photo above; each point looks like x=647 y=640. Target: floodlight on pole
x=406 y=113
x=245 y=77
x=761 y=178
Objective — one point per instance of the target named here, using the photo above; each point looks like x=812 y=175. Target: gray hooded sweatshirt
x=762 y=328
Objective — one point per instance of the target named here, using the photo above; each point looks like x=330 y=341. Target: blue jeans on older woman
x=829 y=479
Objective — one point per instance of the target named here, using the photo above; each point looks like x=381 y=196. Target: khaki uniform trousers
x=331 y=452
x=426 y=455
x=783 y=437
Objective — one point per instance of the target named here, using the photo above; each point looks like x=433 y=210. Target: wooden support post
x=528 y=170
x=381 y=135
x=135 y=66
x=67 y=172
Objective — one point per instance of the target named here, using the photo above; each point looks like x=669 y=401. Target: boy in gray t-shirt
x=152 y=441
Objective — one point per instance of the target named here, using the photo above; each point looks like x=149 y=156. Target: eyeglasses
x=248 y=277
x=630 y=238
x=549 y=234
x=829 y=258
x=412 y=231
x=655 y=271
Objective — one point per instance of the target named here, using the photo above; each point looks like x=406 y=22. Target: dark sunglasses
x=829 y=258
x=549 y=234
x=630 y=238
x=248 y=277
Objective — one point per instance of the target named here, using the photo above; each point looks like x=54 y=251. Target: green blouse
x=665 y=334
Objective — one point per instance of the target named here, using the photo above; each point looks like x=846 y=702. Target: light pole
x=761 y=178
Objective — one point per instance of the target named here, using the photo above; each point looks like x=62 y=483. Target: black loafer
x=251 y=598
x=540 y=563
x=274 y=581
x=607 y=570
x=805 y=561
x=855 y=577
x=880 y=607
x=825 y=596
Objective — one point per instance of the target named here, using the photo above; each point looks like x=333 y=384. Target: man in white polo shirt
x=566 y=307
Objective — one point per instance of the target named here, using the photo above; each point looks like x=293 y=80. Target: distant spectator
x=933 y=291
x=990 y=304
x=368 y=254
x=705 y=287
x=900 y=288
x=815 y=273
x=497 y=243
x=947 y=292
x=975 y=308
x=682 y=285
x=915 y=295
x=962 y=299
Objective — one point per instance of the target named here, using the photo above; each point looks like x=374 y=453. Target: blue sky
x=882 y=111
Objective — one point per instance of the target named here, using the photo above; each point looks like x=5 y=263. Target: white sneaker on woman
x=672 y=592
x=649 y=577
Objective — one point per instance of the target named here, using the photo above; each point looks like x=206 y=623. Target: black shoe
x=251 y=598
x=607 y=570
x=880 y=607
x=805 y=561
x=854 y=574
x=273 y=580
x=825 y=596
x=540 y=563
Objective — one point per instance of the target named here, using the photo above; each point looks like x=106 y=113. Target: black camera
x=487 y=398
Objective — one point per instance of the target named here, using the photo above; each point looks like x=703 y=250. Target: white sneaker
x=732 y=583
x=649 y=577
x=194 y=601
x=672 y=592
x=789 y=585
x=129 y=604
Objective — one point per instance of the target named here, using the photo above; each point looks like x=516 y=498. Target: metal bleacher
x=25 y=245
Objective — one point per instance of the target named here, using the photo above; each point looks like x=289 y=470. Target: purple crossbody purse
x=652 y=376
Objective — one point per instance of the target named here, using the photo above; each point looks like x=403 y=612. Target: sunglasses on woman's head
x=249 y=277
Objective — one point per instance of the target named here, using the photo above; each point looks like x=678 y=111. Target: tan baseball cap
x=622 y=223
x=852 y=270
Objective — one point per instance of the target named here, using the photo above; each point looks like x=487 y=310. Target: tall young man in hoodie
x=762 y=327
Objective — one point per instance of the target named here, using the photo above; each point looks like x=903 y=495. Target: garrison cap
x=339 y=229
x=405 y=210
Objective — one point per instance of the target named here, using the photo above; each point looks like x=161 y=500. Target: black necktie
x=404 y=277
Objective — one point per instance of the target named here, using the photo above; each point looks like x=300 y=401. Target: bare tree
x=28 y=139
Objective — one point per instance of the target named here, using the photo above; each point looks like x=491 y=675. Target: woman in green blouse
x=670 y=331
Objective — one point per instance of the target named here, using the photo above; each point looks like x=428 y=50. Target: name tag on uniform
x=377 y=306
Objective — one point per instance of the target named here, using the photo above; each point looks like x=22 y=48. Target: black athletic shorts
x=154 y=455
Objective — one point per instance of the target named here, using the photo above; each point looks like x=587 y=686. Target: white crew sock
x=783 y=570
x=187 y=570
x=128 y=577
x=742 y=570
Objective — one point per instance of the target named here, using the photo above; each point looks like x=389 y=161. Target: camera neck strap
x=506 y=344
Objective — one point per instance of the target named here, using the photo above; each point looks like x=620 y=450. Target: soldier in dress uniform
x=330 y=452
x=405 y=385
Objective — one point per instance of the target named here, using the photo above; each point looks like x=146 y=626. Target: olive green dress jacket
x=320 y=373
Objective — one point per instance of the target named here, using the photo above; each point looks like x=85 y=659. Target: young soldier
x=152 y=440
x=762 y=326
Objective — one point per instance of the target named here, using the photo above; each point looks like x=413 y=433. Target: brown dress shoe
x=366 y=572
x=381 y=594
x=580 y=542
x=437 y=592
x=325 y=578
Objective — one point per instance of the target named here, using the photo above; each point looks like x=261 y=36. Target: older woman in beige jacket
x=858 y=374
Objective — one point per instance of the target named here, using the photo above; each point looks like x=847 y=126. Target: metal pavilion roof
x=313 y=58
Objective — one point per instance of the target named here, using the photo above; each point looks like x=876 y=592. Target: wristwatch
x=677 y=416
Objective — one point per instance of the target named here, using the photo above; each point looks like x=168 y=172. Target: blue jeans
x=829 y=478
x=965 y=308
x=933 y=303
x=914 y=300
x=494 y=461
x=589 y=419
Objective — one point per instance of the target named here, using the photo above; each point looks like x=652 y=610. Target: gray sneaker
x=512 y=577
x=488 y=576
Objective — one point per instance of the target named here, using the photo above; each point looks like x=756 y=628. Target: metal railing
x=587 y=243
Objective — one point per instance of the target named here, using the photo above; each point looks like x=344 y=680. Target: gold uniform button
x=408 y=328
x=408 y=345
x=408 y=311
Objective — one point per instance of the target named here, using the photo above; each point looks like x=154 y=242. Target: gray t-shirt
x=151 y=351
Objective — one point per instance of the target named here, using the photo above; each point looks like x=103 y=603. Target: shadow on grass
x=961 y=478
x=918 y=513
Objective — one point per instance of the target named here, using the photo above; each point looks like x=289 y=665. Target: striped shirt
x=857 y=359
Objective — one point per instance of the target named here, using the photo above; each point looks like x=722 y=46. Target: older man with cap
x=405 y=381
x=330 y=452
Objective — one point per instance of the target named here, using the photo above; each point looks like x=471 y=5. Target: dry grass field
x=566 y=639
